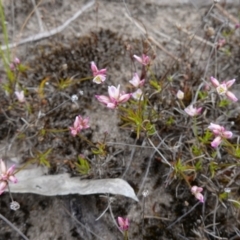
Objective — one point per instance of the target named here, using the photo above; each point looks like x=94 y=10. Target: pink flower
x=221 y=43
x=237 y=26
x=99 y=75
x=6 y=176
x=196 y=191
x=17 y=61
x=136 y=82
x=123 y=223
x=222 y=88
x=115 y=97
x=192 y=111
x=144 y=60
x=14 y=64
x=79 y=124
x=220 y=134
x=20 y=96
x=138 y=95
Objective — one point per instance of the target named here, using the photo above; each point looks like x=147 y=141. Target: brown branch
x=227 y=14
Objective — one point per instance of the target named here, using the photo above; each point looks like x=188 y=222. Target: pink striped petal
x=215 y=82
x=230 y=83
x=13 y=179
x=114 y=92
x=231 y=96
x=3 y=166
x=215 y=143
x=3 y=186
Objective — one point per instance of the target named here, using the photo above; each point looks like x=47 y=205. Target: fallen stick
x=193 y=36
x=227 y=14
x=52 y=32
x=151 y=39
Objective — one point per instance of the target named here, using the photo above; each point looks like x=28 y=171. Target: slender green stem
x=195 y=130
x=5 y=55
x=5 y=34
x=86 y=140
x=195 y=127
x=125 y=235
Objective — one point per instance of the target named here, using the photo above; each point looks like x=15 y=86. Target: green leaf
x=82 y=165
x=206 y=138
x=155 y=85
x=198 y=165
x=196 y=151
x=223 y=103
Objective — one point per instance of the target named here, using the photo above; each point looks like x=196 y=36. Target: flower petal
x=138 y=95
x=198 y=110
x=192 y=111
x=102 y=71
x=200 y=197
x=3 y=186
x=227 y=134
x=20 y=96
x=94 y=68
x=231 y=96
x=214 y=127
x=215 y=143
x=3 y=167
x=123 y=223
x=112 y=105
x=124 y=97
x=230 y=83
x=139 y=59
x=85 y=123
x=114 y=92
x=215 y=82
x=103 y=99
x=180 y=94
x=135 y=80
x=11 y=170
x=13 y=179
x=74 y=131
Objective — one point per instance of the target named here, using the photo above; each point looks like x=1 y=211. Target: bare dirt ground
x=104 y=32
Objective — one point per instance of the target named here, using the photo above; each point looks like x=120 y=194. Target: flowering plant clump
x=115 y=97
x=158 y=135
x=79 y=124
x=138 y=95
x=99 y=75
x=144 y=60
x=222 y=89
x=136 y=82
x=220 y=134
x=192 y=111
x=20 y=96
x=14 y=63
x=6 y=176
x=196 y=191
x=123 y=223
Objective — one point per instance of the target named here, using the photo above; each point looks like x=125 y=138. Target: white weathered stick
x=33 y=179
x=63 y=184
x=52 y=32
x=38 y=16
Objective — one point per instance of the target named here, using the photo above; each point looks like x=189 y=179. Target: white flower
x=180 y=95
x=138 y=95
